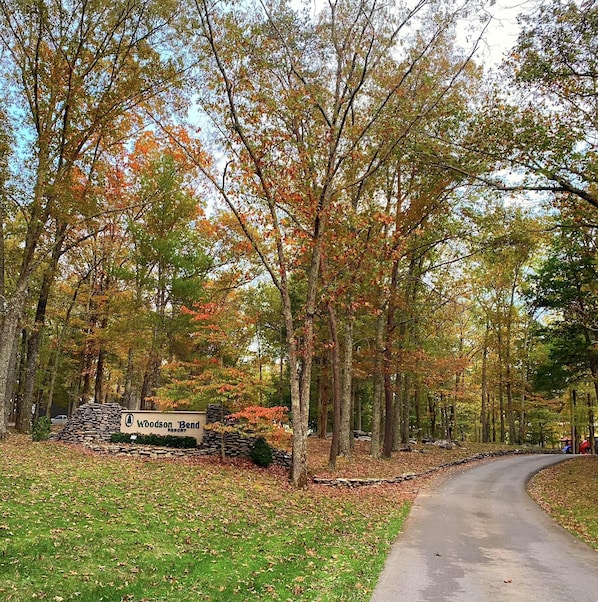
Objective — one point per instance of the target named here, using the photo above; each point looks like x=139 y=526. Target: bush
x=120 y=438
x=270 y=423
x=261 y=453
x=41 y=429
x=151 y=439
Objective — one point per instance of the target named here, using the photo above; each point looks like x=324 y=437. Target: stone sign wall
x=91 y=422
x=180 y=424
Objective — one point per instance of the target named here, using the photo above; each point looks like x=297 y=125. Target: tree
x=144 y=264
x=509 y=239
x=566 y=286
x=288 y=153
x=304 y=106
x=168 y=262
x=78 y=72
x=539 y=124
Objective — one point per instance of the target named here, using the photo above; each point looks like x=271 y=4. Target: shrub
x=261 y=453
x=266 y=422
x=120 y=438
x=41 y=429
x=151 y=439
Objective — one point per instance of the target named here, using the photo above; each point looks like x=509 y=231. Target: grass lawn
x=76 y=526
x=569 y=493
x=84 y=527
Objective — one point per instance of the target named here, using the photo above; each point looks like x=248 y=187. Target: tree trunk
x=510 y=404
x=408 y=334
x=452 y=420
x=406 y=409
x=335 y=368
x=357 y=410
x=323 y=398
x=346 y=432
x=12 y=370
x=389 y=411
x=591 y=425
x=98 y=393
x=378 y=389
x=150 y=378
x=128 y=400
x=574 y=432
x=484 y=414
x=8 y=345
x=398 y=403
x=432 y=414
x=25 y=403
x=105 y=283
x=21 y=417
x=36 y=336
x=508 y=361
x=493 y=419
x=2 y=243
x=52 y=385
x=14 y=306
x=501 y=381
x=417 y=404
x=58 y=350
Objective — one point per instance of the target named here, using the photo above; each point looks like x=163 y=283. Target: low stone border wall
x=357 y=482
x=143 y=451
x=234 y=449
x=93 y=424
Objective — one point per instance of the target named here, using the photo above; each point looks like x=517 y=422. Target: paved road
x=478 y=537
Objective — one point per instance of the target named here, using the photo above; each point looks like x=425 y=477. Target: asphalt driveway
x=478 y=537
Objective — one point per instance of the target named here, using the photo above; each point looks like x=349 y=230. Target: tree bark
x=335 y=368
x=591 y=427
x=35 y=338
x=323 y=399
x=8 y=345
x=406 y=409
x=128 y=400
x=432 y=415
x=378 y=389
x=346 y=432
x=390 y=410
x=98 y=392
x=484 y=414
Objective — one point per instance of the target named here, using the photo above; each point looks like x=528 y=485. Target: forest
x=346 y=208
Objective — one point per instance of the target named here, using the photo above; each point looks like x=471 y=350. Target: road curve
x=478 y=537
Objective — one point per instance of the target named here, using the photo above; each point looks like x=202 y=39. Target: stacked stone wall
x=216 y=413
x=94 y=423
x=144 y=451
x=236 y=445
x=91 y=422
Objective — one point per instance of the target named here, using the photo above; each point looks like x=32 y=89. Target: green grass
x=83 y=527
x=569 y=493
x=74 y=526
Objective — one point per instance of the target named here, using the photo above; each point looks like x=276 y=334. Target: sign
x=181 y=424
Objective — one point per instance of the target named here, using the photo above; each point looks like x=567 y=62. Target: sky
x=503 y=29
